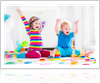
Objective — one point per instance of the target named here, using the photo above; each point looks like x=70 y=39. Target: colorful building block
x=87 y=60
x=57 y=54
x=51 y=59
x=85 y=64
x=19 y=60
x=10 y=63
x=94 y=62
x=27 y=62
x=42 y=59
x=83 y=56
x=63 y=60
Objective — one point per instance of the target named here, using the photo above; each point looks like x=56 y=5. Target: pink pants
x=34 y=54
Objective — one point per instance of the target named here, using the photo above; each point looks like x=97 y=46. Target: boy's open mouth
x=67 y=32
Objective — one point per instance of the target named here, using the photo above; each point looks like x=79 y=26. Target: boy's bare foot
x=88 y=53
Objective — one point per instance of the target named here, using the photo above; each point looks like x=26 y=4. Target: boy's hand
x=57 y=20
x=76 y=22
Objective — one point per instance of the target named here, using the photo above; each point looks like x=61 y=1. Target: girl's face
x=36 y=24
x=65 y=29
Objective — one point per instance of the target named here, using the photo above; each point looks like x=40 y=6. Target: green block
x=19 y=61
x=19 y=77
x=88 y=57
x=10 y=74
x=89 y=80
x=94 y=62
x=94 y=75
x=10 y=63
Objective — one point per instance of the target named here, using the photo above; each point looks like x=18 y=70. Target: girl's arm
x=26 y=24
x=56 y=26
x=76 y=25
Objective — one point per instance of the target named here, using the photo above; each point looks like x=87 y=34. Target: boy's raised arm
x=56 y=26
x=76 y=25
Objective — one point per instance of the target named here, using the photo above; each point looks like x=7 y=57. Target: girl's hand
x=57 y=20
x=76 y=22
x=19 y=11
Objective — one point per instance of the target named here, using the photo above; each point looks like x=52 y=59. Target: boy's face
x=36 y=24
x=65 y=29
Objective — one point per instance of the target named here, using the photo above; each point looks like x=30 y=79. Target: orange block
x=22 y=49
x=42 y=59
x=74 y=74
x=74 y=56
x=73 y=41
x=42 y=77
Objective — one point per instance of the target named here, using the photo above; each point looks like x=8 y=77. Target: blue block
x=57 y=57
x=83 y=56
x=73 y=43
x=27 y=75
x=61 y=74
x=27 y=62
x=21 y=80
x=61 y=63
x=82 y=80
x=92 y=79
x=92 y=58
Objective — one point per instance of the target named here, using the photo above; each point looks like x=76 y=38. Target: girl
x=33 y=29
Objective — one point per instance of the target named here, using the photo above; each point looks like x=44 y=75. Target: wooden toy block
x=42 y=77
x=63 y=76
x=42 y=59
x=19 y=77
x=51 y=78
x=63 y=60
x=51 y=59
x=74 y=74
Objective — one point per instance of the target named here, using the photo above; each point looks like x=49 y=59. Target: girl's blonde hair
x=33 y=19
x=65 y=22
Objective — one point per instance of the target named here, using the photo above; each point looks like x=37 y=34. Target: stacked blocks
x=94 y=61
x=57 y=54
x=73 y=46
x=10 y=55
x=73 y=54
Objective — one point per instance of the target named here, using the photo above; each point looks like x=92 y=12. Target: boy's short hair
x=65 y=22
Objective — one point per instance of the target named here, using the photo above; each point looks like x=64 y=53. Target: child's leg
x=69 y=52
x=33 y=54
x=21 y=55
x=53 y=52
x=61 y=50
x=88 y=53
x=45 y=53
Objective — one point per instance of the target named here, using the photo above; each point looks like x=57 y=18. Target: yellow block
x=63 y=60
x=80 y=55
x=58 y=58
x=5 y=56
x=52 y=78
x=14 y=56
x=63 y=76
x=74 y=74
x=51 y=59
x=58 y=78
x=74 y=63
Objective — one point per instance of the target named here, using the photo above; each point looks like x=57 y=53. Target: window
x=89 y=27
